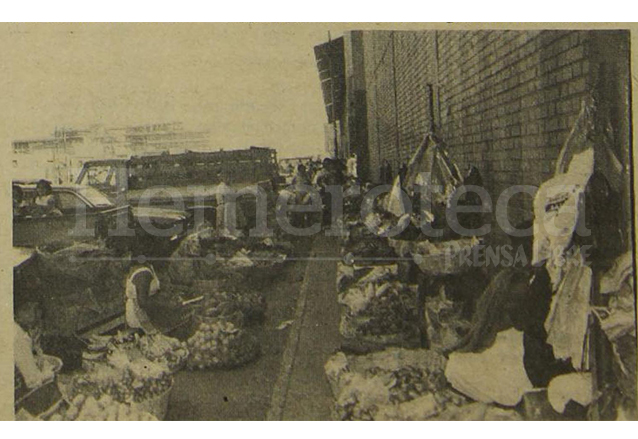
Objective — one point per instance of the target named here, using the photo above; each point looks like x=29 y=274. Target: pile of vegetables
x=157 y=348
x=105 y=408
x=391 y=384
x=127 y=376
x=220 y=343
x=379 y=308
x=209 y=254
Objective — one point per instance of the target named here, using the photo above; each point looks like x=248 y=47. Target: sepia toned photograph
x=320 y=222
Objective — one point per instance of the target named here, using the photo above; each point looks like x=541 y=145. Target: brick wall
x=504 y=101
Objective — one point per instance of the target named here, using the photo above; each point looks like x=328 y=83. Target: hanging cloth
x=568 y=316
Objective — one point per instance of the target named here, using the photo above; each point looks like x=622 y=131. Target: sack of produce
x=218 y=343
x=391 y=384
x=104 y=408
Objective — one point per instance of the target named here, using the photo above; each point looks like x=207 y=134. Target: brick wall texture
x=503 y=101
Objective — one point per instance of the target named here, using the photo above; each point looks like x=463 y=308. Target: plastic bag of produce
x=218 y=343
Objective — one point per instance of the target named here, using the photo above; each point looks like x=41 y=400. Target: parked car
x=83 y=213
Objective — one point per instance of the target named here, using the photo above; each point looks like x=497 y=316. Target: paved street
x=287 y=382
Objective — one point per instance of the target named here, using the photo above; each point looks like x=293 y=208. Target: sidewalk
x=302 y=391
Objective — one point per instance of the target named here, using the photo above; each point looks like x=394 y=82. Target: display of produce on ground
x=422 y=335
x=209 y=254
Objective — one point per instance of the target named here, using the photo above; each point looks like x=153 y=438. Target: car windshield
x=95 y=197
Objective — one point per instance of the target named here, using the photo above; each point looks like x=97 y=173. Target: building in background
x=503 y=101
x=61 y=156
x=331 y=66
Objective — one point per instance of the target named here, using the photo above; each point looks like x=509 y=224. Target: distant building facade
x=62 y=155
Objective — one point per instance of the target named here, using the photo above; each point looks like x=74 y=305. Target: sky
x=248 y=84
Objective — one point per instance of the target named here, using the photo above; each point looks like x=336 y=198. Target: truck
x=193 y=176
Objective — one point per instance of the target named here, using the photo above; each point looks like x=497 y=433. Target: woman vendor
x=142 y=283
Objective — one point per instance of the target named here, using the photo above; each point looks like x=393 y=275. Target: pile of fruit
x=105 y=408
x=219 y=343
x=384 y=308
